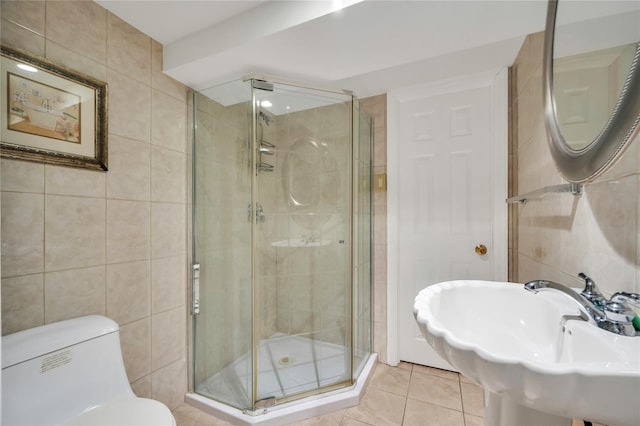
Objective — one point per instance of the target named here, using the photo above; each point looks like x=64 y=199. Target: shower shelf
x=567 y=188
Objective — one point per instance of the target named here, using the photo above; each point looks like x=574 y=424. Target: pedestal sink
x=537 y=367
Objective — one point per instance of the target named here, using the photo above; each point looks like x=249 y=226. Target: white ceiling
x=368 y=47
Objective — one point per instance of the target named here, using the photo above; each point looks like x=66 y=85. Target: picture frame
x=50 y=114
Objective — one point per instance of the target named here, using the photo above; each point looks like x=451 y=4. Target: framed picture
x=50 y=114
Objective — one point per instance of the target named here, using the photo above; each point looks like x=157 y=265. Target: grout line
x=464 y=420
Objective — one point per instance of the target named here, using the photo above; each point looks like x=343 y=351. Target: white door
x=448 y=189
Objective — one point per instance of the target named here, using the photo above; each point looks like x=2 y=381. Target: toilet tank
x=55 y=372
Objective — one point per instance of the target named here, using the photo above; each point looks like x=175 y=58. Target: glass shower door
x=281 y=238
x=303 y=241
x=222 y=245
x=363 y=209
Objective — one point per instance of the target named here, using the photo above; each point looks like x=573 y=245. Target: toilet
x=71 y=373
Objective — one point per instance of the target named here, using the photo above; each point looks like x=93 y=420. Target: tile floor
x=405 y=395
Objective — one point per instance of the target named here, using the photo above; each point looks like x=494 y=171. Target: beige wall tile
x=128 y=291
x=22 y=233
x=22 y=303
x=629 y=163
x=471 y=420
x=169 y=121
x=75 y=61
x=74 y=293
x=135 y=340
x=380 y=339
x=167 y=283
x=22 y=176
x=29 y=14
x=128 y=50
x=78 y=25
x=129 y=107
x=74 y=232
x=168 y=337
x=522 y=66
x=81 y=232
x=557 y=237
x=142 y=387
x=128 y=230
x=167 y=230
x=15 y=36
x=129 y=176
x=72 y=181
x=168 y=384
x=168 y=179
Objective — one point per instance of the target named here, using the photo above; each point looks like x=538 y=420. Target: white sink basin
x=510 y=341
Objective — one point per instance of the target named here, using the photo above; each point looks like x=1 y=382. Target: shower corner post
x=191 y=119
x=353 y=214
x=253 y=152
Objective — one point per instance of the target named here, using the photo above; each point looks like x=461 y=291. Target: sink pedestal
x=501 y=411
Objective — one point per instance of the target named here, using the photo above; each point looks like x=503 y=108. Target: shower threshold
x=287 y=365
x=311 y=406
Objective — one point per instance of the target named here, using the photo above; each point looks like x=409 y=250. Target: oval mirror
x=591 y=77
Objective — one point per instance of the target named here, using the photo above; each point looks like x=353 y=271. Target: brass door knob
x=481 y=249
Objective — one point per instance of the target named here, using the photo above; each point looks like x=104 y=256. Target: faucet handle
x=624 y=297
x=591 y=291
x=618 y=311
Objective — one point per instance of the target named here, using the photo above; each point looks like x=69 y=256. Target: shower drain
x=285 y=360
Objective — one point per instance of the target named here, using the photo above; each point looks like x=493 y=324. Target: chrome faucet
x=613 y=315
x=589 y=311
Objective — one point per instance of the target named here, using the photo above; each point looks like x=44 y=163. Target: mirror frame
x=586 y=164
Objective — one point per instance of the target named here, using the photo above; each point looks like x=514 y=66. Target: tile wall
x=559 y=236
x=78 y=242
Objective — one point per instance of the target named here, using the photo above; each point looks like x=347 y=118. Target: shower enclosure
x=281 y=278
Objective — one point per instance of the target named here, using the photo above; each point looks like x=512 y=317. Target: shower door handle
x=195 y=291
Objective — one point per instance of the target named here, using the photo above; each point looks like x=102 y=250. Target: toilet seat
x=126 y=412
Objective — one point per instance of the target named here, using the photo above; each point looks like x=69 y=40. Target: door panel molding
x=497 y=81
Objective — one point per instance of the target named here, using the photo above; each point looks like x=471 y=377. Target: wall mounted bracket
x=567 y=188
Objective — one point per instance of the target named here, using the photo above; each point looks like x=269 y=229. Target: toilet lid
x=125 y=412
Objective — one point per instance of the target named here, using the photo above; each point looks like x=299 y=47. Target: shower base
x=287 y=365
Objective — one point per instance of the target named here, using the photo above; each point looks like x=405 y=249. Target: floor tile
x=423 y=369
x=435 y=390
x=391 y=379
x=472 y=399
x=330 y=419
x=186 y=415
x=378 y=408
x=404 y=365
x=348 y=421
x=420 y=413
x=409 y=394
